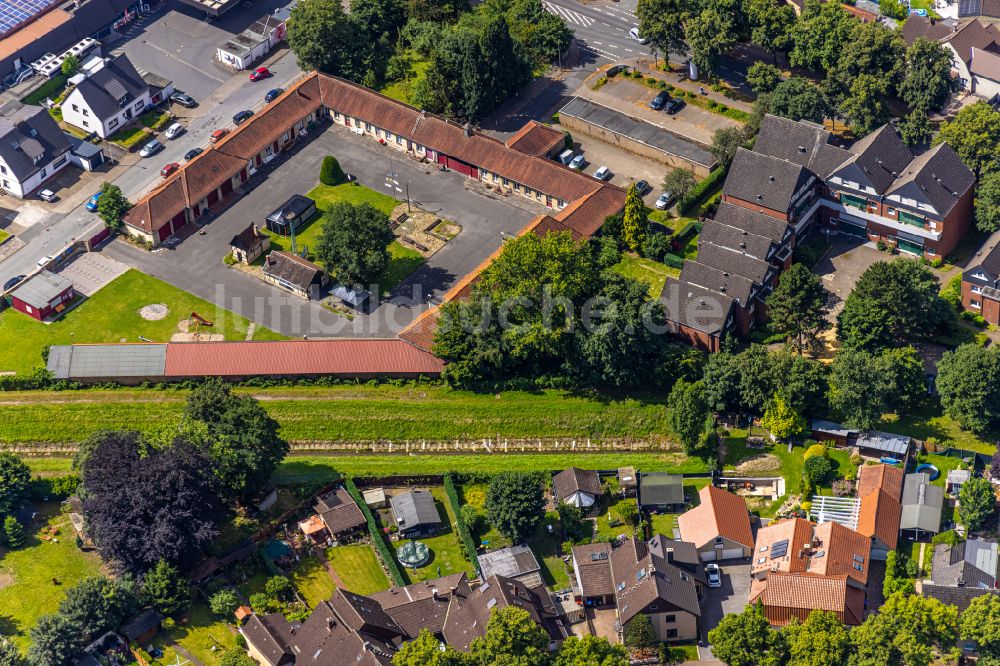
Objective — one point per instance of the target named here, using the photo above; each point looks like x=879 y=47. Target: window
x=972 y=303
x=138 y=105
x=3 y=169
x=86 y=124
x=653 y=607
x=285 y=137
x=505 y=182
x=669 y=619
x=976 y=289
x=28 y=308
x=718 y=541
x=671 y=633
x=86 y=113
x=113 y=124
x=76 y=108
x=368 y=127
x=6 y=184
x=336 y=114
x=59 y=162
x=399 y=140
x=890 y=211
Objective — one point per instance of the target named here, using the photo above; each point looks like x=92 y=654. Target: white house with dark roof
x=32 y=149
x=109 y=98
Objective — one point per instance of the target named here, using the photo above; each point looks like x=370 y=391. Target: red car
x=218 y=134
x=169 y=169
x=260 y=74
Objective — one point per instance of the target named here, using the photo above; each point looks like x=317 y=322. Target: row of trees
x=148 y=498
x=477 y=57
x=863 y=63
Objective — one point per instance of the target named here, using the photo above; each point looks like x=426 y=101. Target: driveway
x=843 y=264
x=92 y=270
x=729 y=599
x=196 y=263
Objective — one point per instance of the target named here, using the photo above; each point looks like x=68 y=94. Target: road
x=602 y=30
x=228 y=98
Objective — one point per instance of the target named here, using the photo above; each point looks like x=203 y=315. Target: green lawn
x=359 y=568
x=131 y=137
x=27 y=575
x=51 y=89
x=547 y=548
x=402 y=261
x=112 y=315
x=928 y=421
x=4 y=235
x=363 y=412
x=489 y=537
x=446 y=550
x=312 y=581
x=402 y=90
x=645 y=270
x=200 y=634
x=944 y=465
x=354 y=193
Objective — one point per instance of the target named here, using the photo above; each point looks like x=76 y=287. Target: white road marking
x=568 y=15
x=600 y=52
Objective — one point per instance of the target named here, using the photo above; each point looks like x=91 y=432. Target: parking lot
x=730 y=599
x=846 y=260
x=626 y=168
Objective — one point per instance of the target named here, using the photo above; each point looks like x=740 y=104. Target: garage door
x=732 y=553
x=708 y=555
x=846 y=227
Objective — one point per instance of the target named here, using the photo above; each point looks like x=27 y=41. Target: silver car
x=714 y=574
x=151 y=148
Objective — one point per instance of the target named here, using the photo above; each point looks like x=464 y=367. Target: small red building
x=43 y=296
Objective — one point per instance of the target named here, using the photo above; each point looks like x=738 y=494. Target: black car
x=184 y=100
x=642 y=187
x=193 y=153
x=14 y=281
x=661 y=98
x=273 y=94
x=242 y=117
x=673 y=106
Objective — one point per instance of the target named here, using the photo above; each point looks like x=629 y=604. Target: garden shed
x=291 y=215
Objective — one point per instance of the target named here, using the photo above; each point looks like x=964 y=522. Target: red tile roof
x=157 y=208
x=720 y=513
x=884 y=477
x=338 y=357
x=797 y=532
x=207 y=172
x=880 y=488
x=840 y=550
x=536 y=139
x=788 y=595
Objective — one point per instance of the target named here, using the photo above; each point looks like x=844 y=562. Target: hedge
x=701 y=190
x=468 y=544
x=378 y=539
x=673 y=261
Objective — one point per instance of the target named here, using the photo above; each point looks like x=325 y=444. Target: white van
x=566 y=156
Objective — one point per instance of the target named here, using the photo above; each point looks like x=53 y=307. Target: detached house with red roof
x=880 y=491
x=719 y=526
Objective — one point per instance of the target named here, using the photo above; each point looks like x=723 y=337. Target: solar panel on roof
x=779 y=549
x=15 y=12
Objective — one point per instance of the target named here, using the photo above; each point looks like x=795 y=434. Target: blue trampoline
x=931 y=470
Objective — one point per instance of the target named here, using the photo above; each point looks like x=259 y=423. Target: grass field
x=928 y=421
x=312 y=581
x=27 y=575
x=112 y=315
x=363 y=413
x=359 y=568
x=202 y=635
x=4 y=235
x=403 y=89
x=651 y=272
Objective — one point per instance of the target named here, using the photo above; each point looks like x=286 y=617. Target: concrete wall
x=582 y=127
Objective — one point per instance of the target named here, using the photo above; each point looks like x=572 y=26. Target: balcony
x=854 y=202
x=911 y=219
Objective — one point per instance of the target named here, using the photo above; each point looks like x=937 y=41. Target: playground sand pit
x=153 y=312
x=193 y=331
x=764 y=462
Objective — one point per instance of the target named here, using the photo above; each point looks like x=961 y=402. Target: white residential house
x=32 y=149
x=109 y=98
x=975 y=57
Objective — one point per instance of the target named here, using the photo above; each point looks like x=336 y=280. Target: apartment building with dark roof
x=981 y=287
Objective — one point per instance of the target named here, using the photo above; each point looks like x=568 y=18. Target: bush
x=330 y=172
x=673 y=261
x=816 y=450
x=229 y=260
x=655 y=246
x=468 y=544
x=817 y=470
x=843 y=488
x=701 y=191
x=952 y=292
x=388 y=557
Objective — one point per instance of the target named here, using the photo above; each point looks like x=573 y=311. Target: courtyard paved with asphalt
x=729 y=599
x=196 y=263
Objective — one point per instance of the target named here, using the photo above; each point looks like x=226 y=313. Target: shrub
x=712 y=104
x=655 y=246
x=229 y=259
x=856 y=459
x=816 y=450
x=843 y=488
x=330 y=172
x=468 y=544
x=817 y=470
x=701 y=191
x=388 y=557
x=673 y=261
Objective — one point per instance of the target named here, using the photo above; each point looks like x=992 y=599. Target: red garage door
x=179 y=221
x=213 y=196
x=227 y=187
x=163 y=232
x=462 y=167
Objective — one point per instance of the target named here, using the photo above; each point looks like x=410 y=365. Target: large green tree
x=819 y=37
x=797 y=306
x=914 y=630
x=782 y=421
x=974 y=133
x=799 y=99
x=927 y=81
x=112 y=205
x=662 y=23
x=742 y=639
x=687 y=412
x=874 y=50
x=857 y=388
x=10 y=655
x=515 y=504
x=865 y=105
x=243 y=440
x=967 y=383
x=512 y=638
x=427 y=650
x=379 y=17
x=770 y=25
x=915 y=129
x=15 y=476
x=166 y=589
x=763 y=77
x=679 y=181
x=709 y=34
x=322 y=36
x=639 y=632
x=988 y=202
x=821 y=640
x=97 y=604
x=354 y=243
x=635 y=222
x=54 y=641
x=903 y=370
x=590 y=651
x=976 y=502
x=980 y=622
x=725 y=142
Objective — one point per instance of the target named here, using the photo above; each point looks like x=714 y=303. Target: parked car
x=193 y=153
x=661 y=98
x=151 y=148
x=47 y=195
x=218 y=134
x=664 y=201
x=602 y=173
x=183 y=99
x=714 y=574
x=634 y=35
x=260 y=74
x=169 y=169
x=272 y=94
x=578 y=162
x=41 y=263
x=174 y=131
x=13 y=282
x=642 y=187
x=242 y=116
x=673 y=106
x=92 y=202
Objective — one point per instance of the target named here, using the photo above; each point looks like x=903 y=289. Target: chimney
x=468 y=129
x=670 y=554
x=434 y=594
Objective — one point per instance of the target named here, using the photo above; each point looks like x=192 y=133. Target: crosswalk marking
x=600 y=52
x=568 y=15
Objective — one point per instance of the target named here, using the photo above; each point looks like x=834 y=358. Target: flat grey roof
x=884 y=441
x=124 y=360
x=39 y=290
x=510 y=562
x=922 y=504
x=638 y=130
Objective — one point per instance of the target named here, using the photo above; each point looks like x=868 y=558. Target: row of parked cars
x=578 y=162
